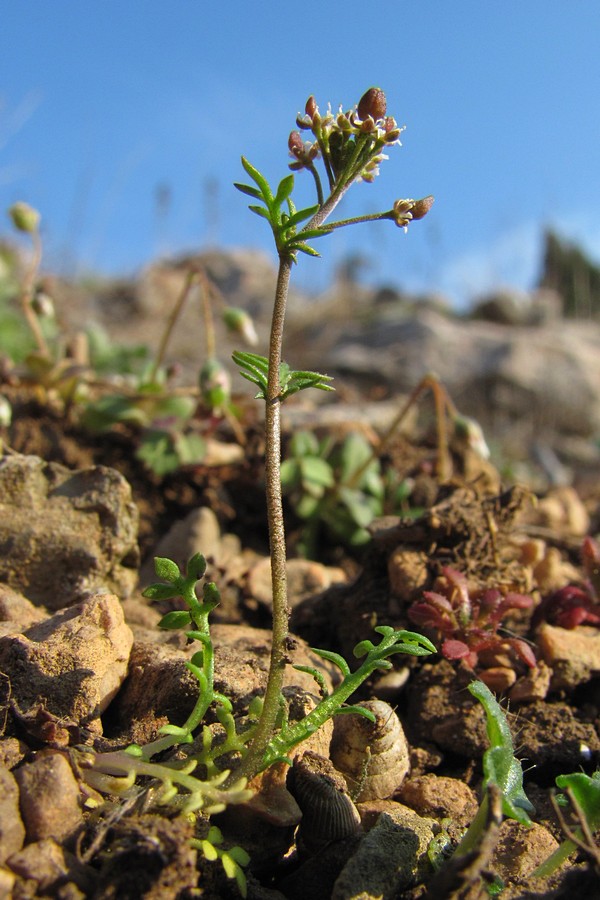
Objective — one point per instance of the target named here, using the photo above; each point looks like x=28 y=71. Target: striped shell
x=372 y=756
x=328 y=813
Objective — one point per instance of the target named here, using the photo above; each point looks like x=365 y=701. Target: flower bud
x=296 y=144
x=43 y=305
x=422 y=207
x=238 y=321
x=215 y=384
x=470 y=431
x=311 y=107
x=5 y=412
x=372 y=103
x=24 y=217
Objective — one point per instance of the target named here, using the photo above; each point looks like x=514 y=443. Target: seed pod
x=372 y=756
x=328 y=813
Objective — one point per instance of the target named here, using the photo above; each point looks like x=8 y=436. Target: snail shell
x=372 y=756
x=328 y=813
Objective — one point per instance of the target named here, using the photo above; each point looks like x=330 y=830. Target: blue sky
x=104 y=103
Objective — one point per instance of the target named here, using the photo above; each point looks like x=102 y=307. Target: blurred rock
x=65 y=533
x=49 y=795
x=12 y=830
x=72 y=664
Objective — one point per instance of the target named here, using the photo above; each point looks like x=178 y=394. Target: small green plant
x=501 y=768
x=170 y=421
x=319 y=478
x=232 y=859
x=174 y=783
x=582 y=795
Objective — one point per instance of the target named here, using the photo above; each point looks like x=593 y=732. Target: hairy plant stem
x=266 y=724
x=253 y=761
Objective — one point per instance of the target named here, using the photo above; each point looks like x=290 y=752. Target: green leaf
x=359 y=505
x=260 y=180
x=356 y=711
x=318 y=676
x=300 y=216
x=210 y=595
x=260 y=211
x=308 y=506
x=248 y=189
x=285 y=188
x=500 y=765
x=303 y=248
x=196 y=567
x=101 y=414
x=158 y=452
x=190 y=448
x=334 y=658
x=586 y=791
x=161 y=592
x=166 y=569
x=313 y=232
x=177 y=618
x=304 y=443
x=290 y=473
x=317 y=472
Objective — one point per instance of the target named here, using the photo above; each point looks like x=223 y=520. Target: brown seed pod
x=372 y=756
x=328 y=813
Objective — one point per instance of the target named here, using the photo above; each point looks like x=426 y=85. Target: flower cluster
x=350 y=143
x=468 y=621
x=575 y=605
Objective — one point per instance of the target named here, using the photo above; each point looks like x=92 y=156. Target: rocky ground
x=83 y=664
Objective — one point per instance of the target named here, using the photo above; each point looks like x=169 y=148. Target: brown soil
x=470 y=525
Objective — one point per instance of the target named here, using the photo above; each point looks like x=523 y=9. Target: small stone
x=12 y=752
x=7 y=883
x=12 y=830
x=498 y=678
x=72 y=663
x=159 y=684
x=408 y=573
x=521 y=849
x=532 y=686
x=49 y=793
x=572 y=654
x=305 y=579
x=440 y=797
x=65 y=533
x=389 y=859
x=44 y=862
x=16 y=608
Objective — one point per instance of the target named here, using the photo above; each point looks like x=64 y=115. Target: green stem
x=313 y=171
x=356 y=220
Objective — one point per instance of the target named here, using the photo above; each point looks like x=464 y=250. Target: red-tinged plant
x=467 y=621
x=573 y=604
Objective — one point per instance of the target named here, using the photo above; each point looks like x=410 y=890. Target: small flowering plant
x=468 y=621
x=575 y=605
x=350 y=146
